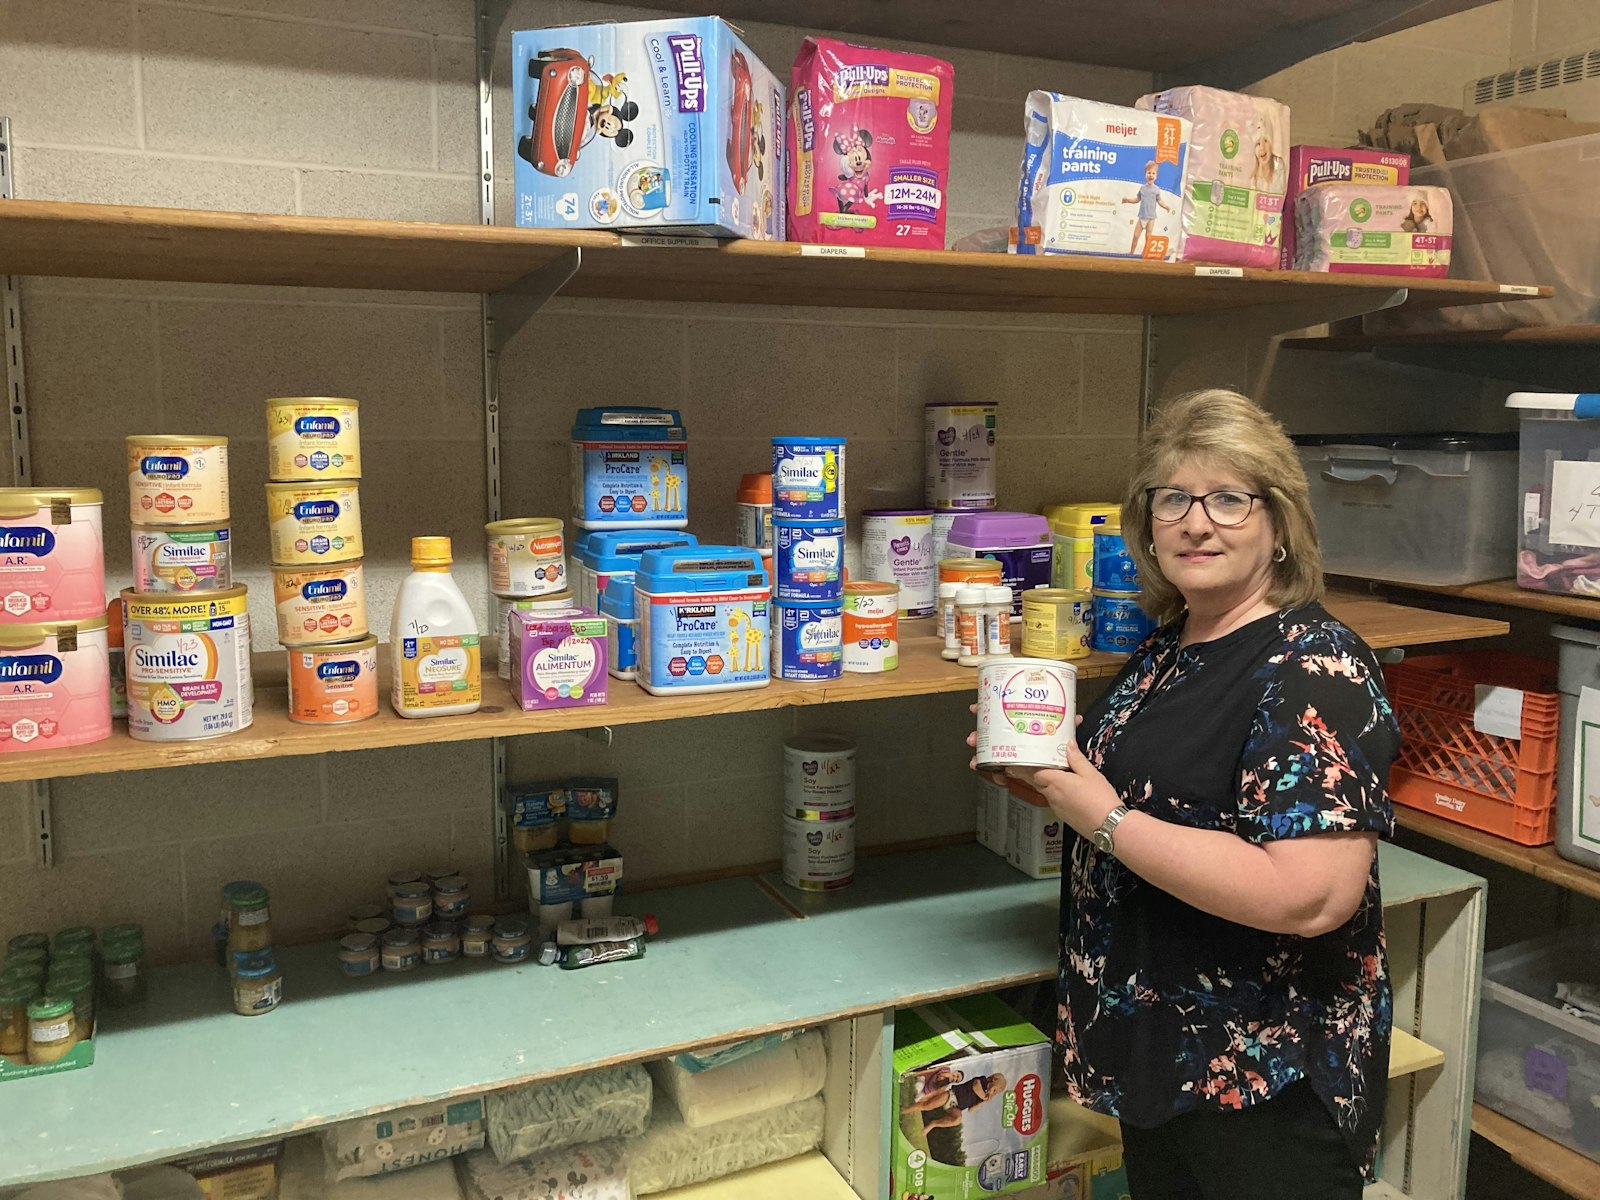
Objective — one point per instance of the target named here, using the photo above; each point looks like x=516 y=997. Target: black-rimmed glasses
x=1226 y=508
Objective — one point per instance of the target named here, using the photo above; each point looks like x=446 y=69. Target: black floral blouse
x=1279 y=729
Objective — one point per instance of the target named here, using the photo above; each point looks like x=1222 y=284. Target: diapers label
x=439 y=672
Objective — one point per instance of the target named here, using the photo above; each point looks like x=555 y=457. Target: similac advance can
x=1026 y=711
x=897 y=547
x=314 y=522
x=1056 y=623
x=188 y=663
x=177 y=480
x=193 y=558
x=1119 y=623
x=527 y=557
x=808 y=560
x=322 y=603
x=819 y=850
x=313 y=437
x=334 y=684
x=819 y=773
x=959 y=440
x=630 y=469
x=705 y=620
x=871 y=627
x=807 y=479
x=52 y=557
x=55 y=685
x=807 y=641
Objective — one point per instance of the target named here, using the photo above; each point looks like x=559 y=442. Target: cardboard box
x=242 y=1173
x=672 y=126
x=994 y=809
x=972 y=1083
x=558 y=658
x=1035 y=838
x=1084 y=1156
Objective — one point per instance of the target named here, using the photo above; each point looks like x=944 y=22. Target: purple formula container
x=1019 y=542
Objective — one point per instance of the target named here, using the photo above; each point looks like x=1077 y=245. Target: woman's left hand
x=1080 y=795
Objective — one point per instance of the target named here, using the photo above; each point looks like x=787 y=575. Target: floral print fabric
x=1280 y=729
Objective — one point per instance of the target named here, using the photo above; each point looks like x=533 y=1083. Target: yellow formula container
x=1056 y=623
x=175 y=479
x=1072 y=529
x=322 y=603
x=313 y=437
x=314 y=522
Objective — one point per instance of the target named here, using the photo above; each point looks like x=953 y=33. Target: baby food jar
x=52 y=1032
x=413 y=905
x=358 y=955
x=401 y=879
x=15 y=997
x=32 y=956
x=440 y=943
x=476 y=936
x=76 y=935
x=374 y=926
x=257 y=989
x=363 y=912
x=513 y=941
x=27 y=941
x=402 y=950
x=451 y=899
x=124 y=969
x=249 y=922
x=76 y=983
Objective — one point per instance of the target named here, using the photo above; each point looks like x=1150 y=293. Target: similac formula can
x=1026 y=711
x=807 y=640
x=970 y=571
x=754 y=510
x=1119 y=623
x=503 y=608
x=333 y=684
x=177 y=480
x=819 y=850
x=314 y=522
x=807 y=479
x=313 y=437
x=1114 y=569
x=943 y=518
x=808 y=560
x=871 y=627
x=819 y=773
x=55 y=685
x=527 y=557
x=959 y=440
x=1019 y=542
x=630 y=469
x=188 y=662
x=705 y=619
x=322 y=603
x=897 y=547
x=1072 y=528
x=52 y=557
x=189 y=558
x=1056 y=623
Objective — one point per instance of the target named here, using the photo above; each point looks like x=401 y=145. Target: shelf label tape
x=810 y=251
x=663 y=239
x=1518 y=289
x=1219 y=272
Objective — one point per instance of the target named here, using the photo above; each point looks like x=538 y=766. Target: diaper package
x=672 y=1155
x=1100 y=179
x=607 y=1103
x=403 y=1138
x=1313 y=166
x=1353 y=229
x=596 y=1171
x=869 y=145
x=783 y=1074
x=1238 y=171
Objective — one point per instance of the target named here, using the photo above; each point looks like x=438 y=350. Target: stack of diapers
x=303 y=1177
x=779 y=1075
x=1314 y=166
x=403 y=1138
x=671 y=1155
x=1101 y=179
x=610 y=1103
x=593 y=1172
x=1237 y=173
x=1355 y=229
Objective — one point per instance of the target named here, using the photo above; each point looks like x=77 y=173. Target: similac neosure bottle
x=435 y=638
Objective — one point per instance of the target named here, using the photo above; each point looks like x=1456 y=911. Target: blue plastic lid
x=617 y=602
x=607 y=551
x=625 y=423
x=700 y=569
x=818 y=440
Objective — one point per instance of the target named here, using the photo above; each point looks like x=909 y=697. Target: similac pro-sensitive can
x=1026 y=711
x=177 y=480
x=190 y=558
x=188 y=663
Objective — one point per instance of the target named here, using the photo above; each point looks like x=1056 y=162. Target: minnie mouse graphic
x=855 y=161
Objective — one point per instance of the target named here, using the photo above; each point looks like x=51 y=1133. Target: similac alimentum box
x=670 y=125
x=1310 y=166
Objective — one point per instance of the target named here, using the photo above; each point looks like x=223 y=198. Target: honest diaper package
x=869 y=145
x=1313 y=166
x=1100 y=179
x=672 y=125
x=1355 y=229
x=1238 y=170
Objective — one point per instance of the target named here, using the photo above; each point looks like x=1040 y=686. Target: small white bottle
x=996 y=621
x=947 y=621
x=434 y=639
x=970 y=602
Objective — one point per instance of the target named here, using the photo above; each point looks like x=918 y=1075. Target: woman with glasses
x=1223 y=985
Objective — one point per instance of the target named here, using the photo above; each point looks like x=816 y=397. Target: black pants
x=1286 y=1148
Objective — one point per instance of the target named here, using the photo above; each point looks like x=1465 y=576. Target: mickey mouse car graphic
x=746 y=143
x=559 y=112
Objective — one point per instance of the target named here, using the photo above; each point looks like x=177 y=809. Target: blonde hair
x=1230 y=431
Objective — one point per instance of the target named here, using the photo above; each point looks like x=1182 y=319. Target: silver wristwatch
x=1102 y=837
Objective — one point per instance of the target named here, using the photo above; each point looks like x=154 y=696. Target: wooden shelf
x=1556 y=358
x=1539 y=1155
x=1540 y=861
x=922 y=672
x=1408 y=1055
x=109 y=241
x=809 y=1177
x=1517 y=335
x=1507 y=593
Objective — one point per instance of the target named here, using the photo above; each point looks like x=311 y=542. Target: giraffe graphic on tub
x=655 y=484
x=752 y=645
x=674 y=487
x=735 y=641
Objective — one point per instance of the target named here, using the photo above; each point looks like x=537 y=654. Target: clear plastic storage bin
x=1432 y=508
x=1538 y=1064
x=1559 y=476
x=1577 y=797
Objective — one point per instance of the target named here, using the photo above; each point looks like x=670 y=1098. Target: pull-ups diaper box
x=1351 y=228
x=672 y=125
x=1313 y=166
x=1100 y=179
x=1238 y=170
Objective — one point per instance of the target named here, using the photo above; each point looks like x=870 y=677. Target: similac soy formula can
x=1026 y=711
x=188 y=664
x=897 y=547
x=177 y=480
x=313 y=437
x=959 y=440
x=189 y=558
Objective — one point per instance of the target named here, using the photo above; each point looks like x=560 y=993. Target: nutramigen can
x=1026 y=708
x=188 y=664
x=527 y=557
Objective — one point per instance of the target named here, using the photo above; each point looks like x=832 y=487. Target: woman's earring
x=1152 y=549
x=1281 y=554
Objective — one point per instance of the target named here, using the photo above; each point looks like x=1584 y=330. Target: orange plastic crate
x=1504 y=786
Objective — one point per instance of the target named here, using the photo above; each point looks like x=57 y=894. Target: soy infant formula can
x=897 y=547
x=630 y=469
x=55 y=685
x=177 y=480
x=705 y=619
x=1026 y=711
x=807 y=479
x=959 y=439
x=808 y=560
x=819 y=850
x=334 y=684
x=871 y=627
x=188 y=663
x=819 y=773
x=313 y=437
x=808 y=641
x=195 y=558
x=527 y=557
x=322 y=603
x=52 y=556
x=314 y=522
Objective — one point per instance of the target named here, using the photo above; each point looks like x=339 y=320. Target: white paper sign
x=1498 y=711
x=1575 y=503
x=1220 y=272
x=811 y=251
x=1586 y=773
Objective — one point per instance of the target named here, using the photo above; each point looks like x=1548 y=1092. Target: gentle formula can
x=807 y=641
x=503 y=608
x=55 y=685
x=334 y=684
x=188 y=663
x=630 y=469
x=959 y=440
x=176 y=480
x=324 y=603
x=313 y=437
x=968 y=571
x=1114 y=569
x=705 y=619
x=1119 y=623
x=807 y=479
x=808 y=560
x=871 y=627
x=182 y=559
x=314 y=522
x=527 y=557
x=52 y=555
x=1056 y=623
x=819 y=850
x=943 y=518
x=897 y=547
x=819 y=773
x=1026 y=711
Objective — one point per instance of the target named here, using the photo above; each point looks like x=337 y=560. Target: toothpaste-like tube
x=591 y=955
x=605 y=929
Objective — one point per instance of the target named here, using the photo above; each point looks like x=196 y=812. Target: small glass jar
x=358 y=954
x=74 y=957
x=402 y=950
x=31 y=957
x=413 y=905
x=75 y=983
x=363 y=912
x=437 y=873
x=123 y=971
x=440 y=943
x=30 y=976
x=513 y=940
x=28 y=941
x=257 y=989
x=81 y=937
x=122 y=932
x=402 y=879
x=451 y=899
x=375 y=927
x=249 y=922
x=51 y=1031
x=15 y=997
